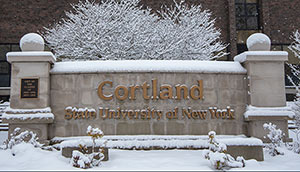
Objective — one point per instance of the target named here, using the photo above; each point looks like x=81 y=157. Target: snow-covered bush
x=83 y=159
x=218 y=156
x=294 y=79
x=122 y=29
x=275 y=136
x=18 y=137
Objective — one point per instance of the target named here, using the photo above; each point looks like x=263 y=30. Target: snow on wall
x=149 y=137
x=43 y=110
x=28 y=116
x=192 y=66
x=241 y=58
x=269 y=111
x=160 y=141
x=23 y=114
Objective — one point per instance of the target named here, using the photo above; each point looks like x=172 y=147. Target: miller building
x=237 y=20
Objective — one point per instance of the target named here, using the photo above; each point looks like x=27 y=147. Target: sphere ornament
x=259 y=42
x=32 y=42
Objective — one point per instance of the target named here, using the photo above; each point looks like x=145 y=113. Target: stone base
x=67 y=152
x=38 y=126
x=256 y=129
x=248 y=152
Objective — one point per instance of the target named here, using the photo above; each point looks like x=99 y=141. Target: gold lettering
x=100 y=91
x=213 y=112
x=137 y=114
x=159 y=114
x=186 y=113
x=169 y=115
x=132 y=91
x=145 y=90
x=178 y=91
x=143 y=114
x=230 y=113
x=202 y=114
x=130 y=114
x=154 y=89
x=169 y=92
x=194 y=114
x=125 y=92
x=200 y=90
x=68 y=114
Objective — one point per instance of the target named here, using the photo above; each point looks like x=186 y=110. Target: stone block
x=158 y=128
x=33 y=69
x=248 y=152
x=255 y=126
x=126 y=128
x=175 y=128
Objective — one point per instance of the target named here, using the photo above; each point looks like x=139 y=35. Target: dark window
x=247 y=14
x=4 y=65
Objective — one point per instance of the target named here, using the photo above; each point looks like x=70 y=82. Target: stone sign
x=148 y=97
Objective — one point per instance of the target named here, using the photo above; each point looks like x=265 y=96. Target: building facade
x=237 y=19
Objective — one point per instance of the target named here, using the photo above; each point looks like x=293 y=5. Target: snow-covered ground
x=29 y=158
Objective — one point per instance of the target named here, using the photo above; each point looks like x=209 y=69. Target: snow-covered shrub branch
x=275 y=136
x=294 y=79
x=121 y=29
x=84 y=159
x=218 y=156
x=17 y=137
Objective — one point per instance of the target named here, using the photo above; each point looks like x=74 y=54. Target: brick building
x=237 y=19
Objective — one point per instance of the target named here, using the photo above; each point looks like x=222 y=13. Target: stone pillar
x=30 y=87
x=267 y=100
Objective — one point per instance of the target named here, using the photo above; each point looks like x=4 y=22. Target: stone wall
x=80 y=91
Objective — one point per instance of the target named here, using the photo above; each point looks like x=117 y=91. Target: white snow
x=269 y=111
x=28 y=116
x=23 y=114
x=171 y=142
x=191 y=66
x=242 y=57
x=150 y=137
x=29 y=158
x=258 y=38
x=30 y=54
x=43 y=110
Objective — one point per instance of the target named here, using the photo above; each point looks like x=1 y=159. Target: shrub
x=218 y=156
x=275 y=137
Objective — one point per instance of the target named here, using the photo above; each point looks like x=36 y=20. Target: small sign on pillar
x=29 y=88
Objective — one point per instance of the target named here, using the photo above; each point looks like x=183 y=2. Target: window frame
x=246 y=16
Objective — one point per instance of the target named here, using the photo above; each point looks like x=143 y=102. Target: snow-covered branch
x=118 y=30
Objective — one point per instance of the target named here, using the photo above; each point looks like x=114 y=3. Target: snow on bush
x=18 y=137
x=218 y=157
x=294 y=78
x=82 y=159
x=275 y=136
x=122 y=29
x=296 y=109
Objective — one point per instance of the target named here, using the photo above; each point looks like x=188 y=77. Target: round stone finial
x=32 y=42
x=259 y=42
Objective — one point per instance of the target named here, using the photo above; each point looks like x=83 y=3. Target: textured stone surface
x=266 y=81
x=248 y=152
x=255 y=126
x=38 y=70
x=80 y=90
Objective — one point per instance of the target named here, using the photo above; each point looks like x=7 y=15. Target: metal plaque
x=29 y=88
